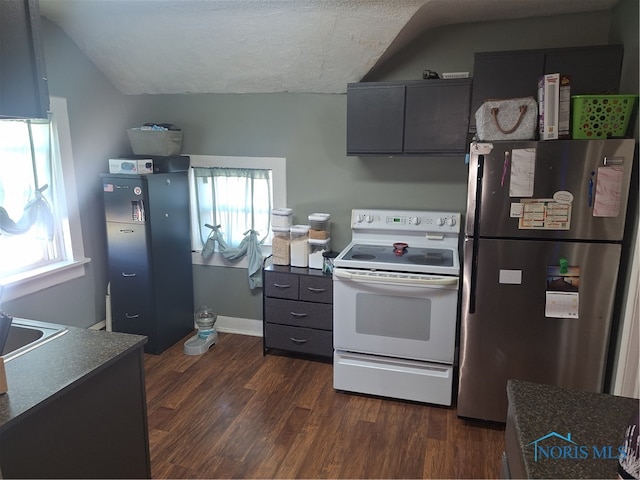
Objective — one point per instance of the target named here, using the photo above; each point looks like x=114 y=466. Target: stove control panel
x=405 y=220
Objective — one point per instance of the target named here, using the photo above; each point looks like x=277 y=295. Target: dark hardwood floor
x=234 y=413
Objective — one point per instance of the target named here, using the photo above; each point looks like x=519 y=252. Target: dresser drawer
x=298 y=339
x=281 y=285
x=316 y=289
x=299 y=314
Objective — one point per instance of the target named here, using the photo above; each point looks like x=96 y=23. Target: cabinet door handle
x=298 y=315
x=134 y=315
x=316 y=290
x=281 y=285
x=298 y=340
x=125 y=274
x=127 y=230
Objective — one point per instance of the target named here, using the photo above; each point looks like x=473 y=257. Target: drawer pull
x=126 y=230
x=298 y=315
x=281 y=285
x=298 y=340
x=134 y=315
x=125 y=274
x=316 y=290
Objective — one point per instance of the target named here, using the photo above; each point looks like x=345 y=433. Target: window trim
x=278 y=167
x=37 y=279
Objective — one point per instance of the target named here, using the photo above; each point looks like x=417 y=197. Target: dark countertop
x=42 y=374
x=592 y=426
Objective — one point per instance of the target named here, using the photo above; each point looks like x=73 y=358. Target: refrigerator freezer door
x=510 y=335
x=585 y=180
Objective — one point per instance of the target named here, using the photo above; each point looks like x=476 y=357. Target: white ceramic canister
x=299 y=237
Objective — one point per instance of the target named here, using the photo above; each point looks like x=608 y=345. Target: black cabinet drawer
x=297 y=339
x=316 y=289
x=127 y=244
x=281 y=285
x=131 y=315
x=300 y=314
x=130 y=281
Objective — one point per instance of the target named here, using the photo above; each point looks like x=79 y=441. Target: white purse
x=507 y=119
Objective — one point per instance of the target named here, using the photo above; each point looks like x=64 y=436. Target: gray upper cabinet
x=23 y=82
x=593 y=70
x=422 y=117
x=375 y=118
x=437 y=117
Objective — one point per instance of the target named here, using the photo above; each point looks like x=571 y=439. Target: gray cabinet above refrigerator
x=594 y=70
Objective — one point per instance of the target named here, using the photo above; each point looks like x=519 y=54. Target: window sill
x=217 y=260
x=17 y=286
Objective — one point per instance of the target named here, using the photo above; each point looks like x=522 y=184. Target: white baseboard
x=242 y=326
x=98 y=326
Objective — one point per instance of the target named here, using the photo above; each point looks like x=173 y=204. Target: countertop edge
x=44 y=374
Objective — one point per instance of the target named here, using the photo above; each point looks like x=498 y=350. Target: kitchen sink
x=25 y=335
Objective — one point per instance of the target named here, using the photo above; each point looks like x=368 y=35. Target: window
x=238 y=194
x=237 y=199
x=40 y=237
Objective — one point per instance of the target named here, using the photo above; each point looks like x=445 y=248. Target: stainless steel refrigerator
x=542 y=246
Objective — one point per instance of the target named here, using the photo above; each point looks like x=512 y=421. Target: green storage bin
x=601 y=116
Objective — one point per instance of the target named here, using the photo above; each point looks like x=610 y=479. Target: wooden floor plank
x=234 y=413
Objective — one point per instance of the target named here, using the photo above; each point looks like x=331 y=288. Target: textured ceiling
x=263 y=46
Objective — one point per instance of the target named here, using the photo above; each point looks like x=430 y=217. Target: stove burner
x=363 y=256
x=428 y=259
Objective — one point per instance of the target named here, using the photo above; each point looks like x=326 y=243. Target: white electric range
x=396 y=305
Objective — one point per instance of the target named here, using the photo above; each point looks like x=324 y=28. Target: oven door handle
x=363 y=277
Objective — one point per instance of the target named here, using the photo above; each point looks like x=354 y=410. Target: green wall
x=308 y=129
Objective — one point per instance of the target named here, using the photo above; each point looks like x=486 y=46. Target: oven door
x=398 y=315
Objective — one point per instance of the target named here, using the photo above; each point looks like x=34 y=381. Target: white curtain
x=27 y=223
x=234 y=206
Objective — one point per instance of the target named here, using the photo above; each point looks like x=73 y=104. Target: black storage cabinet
x=594 y=70
x=149 y=248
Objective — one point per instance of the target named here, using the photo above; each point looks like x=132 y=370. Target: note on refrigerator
x=561 y=305
x=562 y=299
x=608 y=190
x=523 y=168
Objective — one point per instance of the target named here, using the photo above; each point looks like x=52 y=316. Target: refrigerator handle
x=476 y=235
